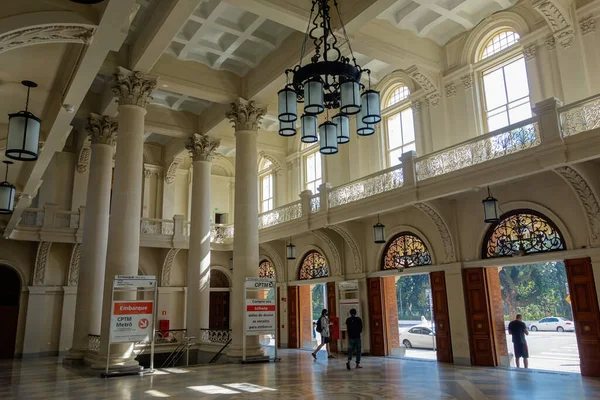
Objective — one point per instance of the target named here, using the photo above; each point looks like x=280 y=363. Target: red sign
x=143 y=323
x=260 y=308
x=133 y=307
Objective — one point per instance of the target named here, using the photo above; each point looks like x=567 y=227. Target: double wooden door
x=219 y=311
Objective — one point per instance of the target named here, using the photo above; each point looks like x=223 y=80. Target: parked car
x=558 y=324
x=418 y=336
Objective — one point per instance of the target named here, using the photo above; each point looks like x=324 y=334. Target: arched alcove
x=10 y=292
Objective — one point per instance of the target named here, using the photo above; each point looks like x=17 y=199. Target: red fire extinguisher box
x=163 y=324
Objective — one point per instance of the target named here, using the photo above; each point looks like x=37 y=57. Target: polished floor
x=297 y=376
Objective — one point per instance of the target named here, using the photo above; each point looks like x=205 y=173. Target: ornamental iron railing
x=221 y=233
x=509 y=140
x=315 y=203
x=32 y=217
x=279 y=215
x=380 y=182
x=170 y=336
x=153 y=226
x=581 y=116
x=217 y=336
x=94 y=343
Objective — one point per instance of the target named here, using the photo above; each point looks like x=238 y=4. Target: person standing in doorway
x=323 y=325
x=354 y=328
x=518 y=330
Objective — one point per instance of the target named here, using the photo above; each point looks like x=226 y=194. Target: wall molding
x=73 y=275
x=42 y=34
x=165 y=272
x=41 y=262
x=442 y=227
x=349 y=239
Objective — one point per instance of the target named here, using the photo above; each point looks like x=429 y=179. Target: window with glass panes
x=400 y=128
x=266 y=192
x=312 y=172
x=505 y=86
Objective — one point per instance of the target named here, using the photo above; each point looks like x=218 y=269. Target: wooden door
x=332 y=308
x=586 y=314
x=293 y=314
x=219 y=311
x=279 y=327
x=8 y=331
x=440 y=316
x=376 y=325
x=478 y=318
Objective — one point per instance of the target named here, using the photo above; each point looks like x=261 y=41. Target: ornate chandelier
x=330 y=82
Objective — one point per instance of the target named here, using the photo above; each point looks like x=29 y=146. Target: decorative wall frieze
x=530 y=52
x=336 y=266
x=434 y=99
x=427 y=84
x=349 y=239
x=415 y=105
x=202 y=147
x=450 y=90
x=442 y=227
x=245 y=115
x=147 y=173
x=587 y=199
x=467 y=81
x=550 y=43
x=172 y=171
x=41 y=262
x=165 y=275
x=83 y=161
x=559 y=20
x=57 y=33
x=295 y=163
x=101 y=129
x=276 y=165
x=133 y=87
x=73 y=276
x=587 y=26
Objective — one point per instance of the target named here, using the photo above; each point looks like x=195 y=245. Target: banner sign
x=131 y=321
x=348 y=286
x=259 y=283
x=260 y=316
x=134 y=281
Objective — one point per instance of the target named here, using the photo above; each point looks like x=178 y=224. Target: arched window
x=313 y=174
x=313 y=266
x=218 y=279
x=266 y=269
x=521 y=232
x=505 y=85
x=405 y=250
x=265 y=176
x=399 y=126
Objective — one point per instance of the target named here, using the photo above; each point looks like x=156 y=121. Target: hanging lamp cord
x=27 y=101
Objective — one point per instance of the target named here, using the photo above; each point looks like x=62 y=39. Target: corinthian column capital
x=133 y=87
x=245 y=115
x=102 y=129
x=202 y=147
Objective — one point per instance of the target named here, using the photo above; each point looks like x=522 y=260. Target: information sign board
x=260 y=316
x=134 y=281
x=131 y=321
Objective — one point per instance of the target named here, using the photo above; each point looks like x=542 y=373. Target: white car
x=558 y=324
x=418 y=336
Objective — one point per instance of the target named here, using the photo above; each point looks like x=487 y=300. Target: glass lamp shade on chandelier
x=329 y=82
x=22 y=143
x=7 y=193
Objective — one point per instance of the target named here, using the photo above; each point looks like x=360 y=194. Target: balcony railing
x=380 y=182
x=315 y=203
x=581 y=116
x=215 y=336
x=279 y=215
x=221 y=234
x=152 y=226
x=509 y=140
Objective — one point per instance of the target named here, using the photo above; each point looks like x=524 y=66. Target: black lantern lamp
x=22 y=143
x=288 y=108
x=329 y=82
x=290 y=251
x=287 y=128
x=342 y=124
x=310 y=128
x=7 y=194
x=491 y=211
x=362 y=128
x=379 y=232
x=329 y=141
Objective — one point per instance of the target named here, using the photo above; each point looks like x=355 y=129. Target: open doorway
x=10 y=291
x=540 y=293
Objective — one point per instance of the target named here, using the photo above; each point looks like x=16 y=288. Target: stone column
x=88 y=310
x=202 y=149
x=132 y=90
x=246 y=116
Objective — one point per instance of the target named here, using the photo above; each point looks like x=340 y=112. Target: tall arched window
x=521 y=232
x=505 y=85
x=266 y=269
x=405 y=250
x=313 y=174
x=399 y=125
x=314 y=266
x=266 y=179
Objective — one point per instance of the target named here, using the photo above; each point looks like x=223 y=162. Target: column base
x=122 y=364
x=74 y=357
x=253 y=354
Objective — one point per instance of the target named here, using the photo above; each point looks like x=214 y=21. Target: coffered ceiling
x=179 y=102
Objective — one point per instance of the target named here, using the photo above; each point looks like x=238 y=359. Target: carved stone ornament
x=530 y=52
x=336 y=268
x=450 y=255
x=450 y=90
x=416 y=106
x=345 y=234
x=147 y=173
x=550 y=43
x=434 y=99
x=73 y=278
x=467 y=81
x=102 y=129
x=587 y=26
x=276 y=261
x=587 y=198
x=172 y=171
x=133 y=87
x=41 y=262
x=245 y=115
x=202 y=147
x=558 y=19
x=46 y=34
x=165 y=276
x=84 y=159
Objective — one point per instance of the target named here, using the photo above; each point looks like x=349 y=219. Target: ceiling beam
x=288 y=13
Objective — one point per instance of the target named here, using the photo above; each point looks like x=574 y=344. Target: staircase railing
x=182 y=348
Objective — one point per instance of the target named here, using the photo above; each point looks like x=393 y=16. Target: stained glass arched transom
x=266 y=269
x=499 y=42
x=218 y=279
x=522 y=232
x=313 y=266
x=405 y=250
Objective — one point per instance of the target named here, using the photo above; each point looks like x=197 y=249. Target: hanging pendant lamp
x=379 y=232
x=491 y=211
x=290 y=251
x=7 y=193
x=22 y=143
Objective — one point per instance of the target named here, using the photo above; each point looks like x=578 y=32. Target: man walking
x=354 y=328
x=518 y=330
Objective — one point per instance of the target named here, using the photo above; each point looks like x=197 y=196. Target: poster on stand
x=345 y=306
x=131 y=321
x=260 y=317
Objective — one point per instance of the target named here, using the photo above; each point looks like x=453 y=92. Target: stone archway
x=10 y=293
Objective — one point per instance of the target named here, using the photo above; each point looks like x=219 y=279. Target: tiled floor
x=295 y=377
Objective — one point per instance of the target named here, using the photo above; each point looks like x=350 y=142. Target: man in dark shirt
x=354 y=328
x=518 y=330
